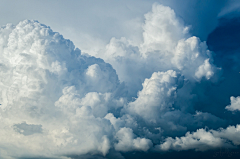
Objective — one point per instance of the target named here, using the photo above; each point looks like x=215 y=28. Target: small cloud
x=235 y=104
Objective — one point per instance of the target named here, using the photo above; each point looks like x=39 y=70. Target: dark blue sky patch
x=224 y=41
x=226 y=37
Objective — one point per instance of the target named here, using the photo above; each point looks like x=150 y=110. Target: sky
x=119 y=79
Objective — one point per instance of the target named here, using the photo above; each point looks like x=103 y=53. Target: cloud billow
x=59 y=102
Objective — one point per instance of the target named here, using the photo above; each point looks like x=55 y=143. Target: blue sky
x=119 y=79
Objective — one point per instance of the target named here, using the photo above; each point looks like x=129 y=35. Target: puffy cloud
x=157 y=96
x=127 y=142
x=166 y=45
x=47 y=89
x=116 y=122
x=235 y=104
x=162 y=29
x=59 y=102
x=204 y=70
x=231 y=133
x=203 y=140
x=100 y=103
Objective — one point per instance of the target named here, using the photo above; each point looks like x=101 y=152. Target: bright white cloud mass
x=59 y=102
x=235 y=104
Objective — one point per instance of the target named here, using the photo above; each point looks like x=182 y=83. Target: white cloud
x=231 y=133
x=162 y=30
x=126 y=141
x=235 y=104
x=57 y=101
x=203 y=140
x=52 y=95
x=200 y=140
x=204 y=70
x=166 y=45
x=157 y=96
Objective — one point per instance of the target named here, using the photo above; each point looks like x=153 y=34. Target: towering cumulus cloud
x=57 y=102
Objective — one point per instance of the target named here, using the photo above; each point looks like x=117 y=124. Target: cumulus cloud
x=157 y=96
x=162 y=29
x=59 y=102
x=199 y=140
x=203 y=140
x=127 y=142
x=48 y=88
x=235 y=104
x=166 y=45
